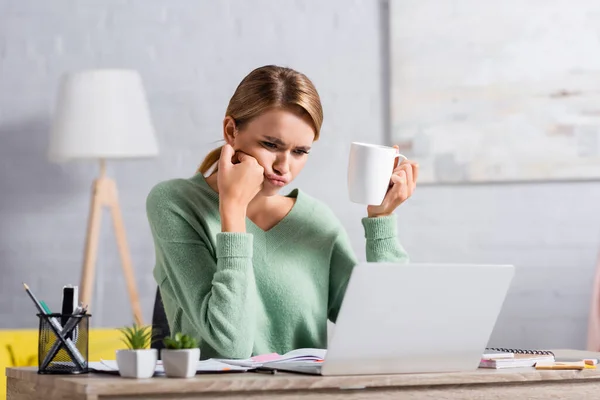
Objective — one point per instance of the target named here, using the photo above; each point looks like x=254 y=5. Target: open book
x=272 y=360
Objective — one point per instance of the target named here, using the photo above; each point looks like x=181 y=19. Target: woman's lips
x=276 y=180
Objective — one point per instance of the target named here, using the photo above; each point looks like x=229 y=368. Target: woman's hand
x=402 y=185
x=239 y=180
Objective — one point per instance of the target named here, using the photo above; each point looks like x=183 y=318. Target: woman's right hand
x=238 y=184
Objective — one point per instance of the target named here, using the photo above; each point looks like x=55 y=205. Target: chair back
x=160 y=324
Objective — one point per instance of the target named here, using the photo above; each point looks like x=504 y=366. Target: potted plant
x=137 y=361
x=180 y=355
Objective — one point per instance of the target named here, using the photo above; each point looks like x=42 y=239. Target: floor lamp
x=101 y=115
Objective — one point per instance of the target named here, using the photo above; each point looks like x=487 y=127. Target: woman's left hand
x=402 y=185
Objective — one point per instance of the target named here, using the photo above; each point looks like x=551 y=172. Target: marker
x=70 y=295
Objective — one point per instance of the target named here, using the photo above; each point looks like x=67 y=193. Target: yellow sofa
x=102 y=344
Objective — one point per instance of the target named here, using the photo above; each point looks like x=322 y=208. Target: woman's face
x=280 y=140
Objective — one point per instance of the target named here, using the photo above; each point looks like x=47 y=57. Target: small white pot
x=180 y=363
x=137 y=363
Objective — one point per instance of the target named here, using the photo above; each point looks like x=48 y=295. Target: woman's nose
x=281 y=166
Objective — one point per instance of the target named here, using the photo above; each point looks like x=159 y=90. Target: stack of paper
x=110 y=366
x=518 y=360
x=489 y=354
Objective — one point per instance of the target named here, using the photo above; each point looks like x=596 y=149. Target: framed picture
x=496 y=91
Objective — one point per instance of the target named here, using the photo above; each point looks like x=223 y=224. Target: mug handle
x=401 y=157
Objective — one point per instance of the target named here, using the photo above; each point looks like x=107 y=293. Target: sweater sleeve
x=382 y=245
x=217 y=296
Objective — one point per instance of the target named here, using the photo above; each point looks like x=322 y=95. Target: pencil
x=34 y=299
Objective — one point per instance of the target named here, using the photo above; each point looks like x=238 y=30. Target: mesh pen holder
x=63 y=349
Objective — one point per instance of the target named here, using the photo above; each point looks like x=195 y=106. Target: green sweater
x=242 y=294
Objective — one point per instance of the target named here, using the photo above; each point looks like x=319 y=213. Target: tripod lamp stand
x=100 y=115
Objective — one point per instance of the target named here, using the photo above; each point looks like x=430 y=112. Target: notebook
x=514 y=358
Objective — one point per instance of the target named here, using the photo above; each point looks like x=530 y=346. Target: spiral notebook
x=514 y=358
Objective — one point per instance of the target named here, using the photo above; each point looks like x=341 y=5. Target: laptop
x=412 y=318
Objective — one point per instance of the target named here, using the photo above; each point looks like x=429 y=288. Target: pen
x=262 y=370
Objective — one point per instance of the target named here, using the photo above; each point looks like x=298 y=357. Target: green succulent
x=136 y=337
x=180 y=341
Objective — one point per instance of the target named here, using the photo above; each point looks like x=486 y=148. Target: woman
x=242 y=268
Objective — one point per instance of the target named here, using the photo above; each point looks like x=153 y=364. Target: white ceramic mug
x=370 y=169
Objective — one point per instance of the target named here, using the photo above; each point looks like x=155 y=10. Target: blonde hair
x=266 y=88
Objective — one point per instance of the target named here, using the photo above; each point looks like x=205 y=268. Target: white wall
x=192 y=55
x=549 y=231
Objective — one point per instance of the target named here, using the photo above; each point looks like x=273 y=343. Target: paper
x=493 y=354
x=519 y=360
x=266 y=357
x=103 y=366
x=209 y=365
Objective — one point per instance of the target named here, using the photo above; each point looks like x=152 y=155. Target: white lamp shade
x=102 y=114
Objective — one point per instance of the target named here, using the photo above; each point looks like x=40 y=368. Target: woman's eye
x=301 y=152
x=270 y=145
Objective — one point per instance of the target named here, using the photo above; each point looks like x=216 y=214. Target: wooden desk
x=26 y=384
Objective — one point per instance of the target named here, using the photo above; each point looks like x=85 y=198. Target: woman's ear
x=229 y=130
